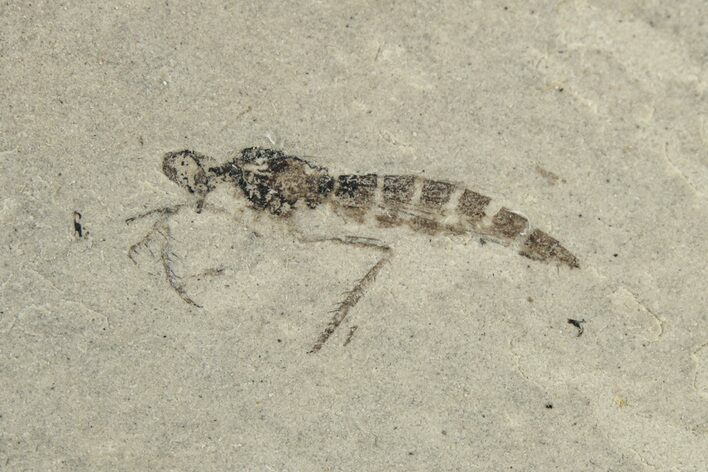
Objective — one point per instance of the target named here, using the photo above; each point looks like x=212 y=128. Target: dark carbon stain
x=508 y=224
x=78 y=227
x=425 y=225
x=356 y=190
x=436 y=193
x=472 y=205
x=540 y=246
x=398 y=189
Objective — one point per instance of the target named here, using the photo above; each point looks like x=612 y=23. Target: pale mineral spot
x=638 y=318
x=620 y=401
x=699 y=355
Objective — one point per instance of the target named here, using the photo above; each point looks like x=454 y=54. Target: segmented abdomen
x=433 y=206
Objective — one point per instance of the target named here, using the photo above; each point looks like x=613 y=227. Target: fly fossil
x=279 y=184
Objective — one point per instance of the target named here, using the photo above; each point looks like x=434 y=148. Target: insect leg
x=161 y=231
x=357 y=292
x=164 y=211
x=166 y=258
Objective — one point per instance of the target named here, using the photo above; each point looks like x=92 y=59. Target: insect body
x=280 y=184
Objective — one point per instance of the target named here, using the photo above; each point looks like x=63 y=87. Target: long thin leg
x=166 y=255
x=358 y=291
x=159 y=227
x=164 y=211
x=161 y=230
x=145 y=241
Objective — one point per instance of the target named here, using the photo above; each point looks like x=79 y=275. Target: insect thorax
x=274 y=181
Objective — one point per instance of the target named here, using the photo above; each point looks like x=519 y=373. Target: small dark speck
x=164 y=335
x=506 y=8
x=580 y=215
x=549 y=406
x=615 y=255
x=410 y=453
x=78 y=226
x=578 y=324
x=561 y=89
x=443 y=432
x=280 y=340
x=607 y=180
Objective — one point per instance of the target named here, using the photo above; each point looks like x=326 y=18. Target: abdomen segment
x=436 y=206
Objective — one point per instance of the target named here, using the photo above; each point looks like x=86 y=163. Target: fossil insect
x=280 y=184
